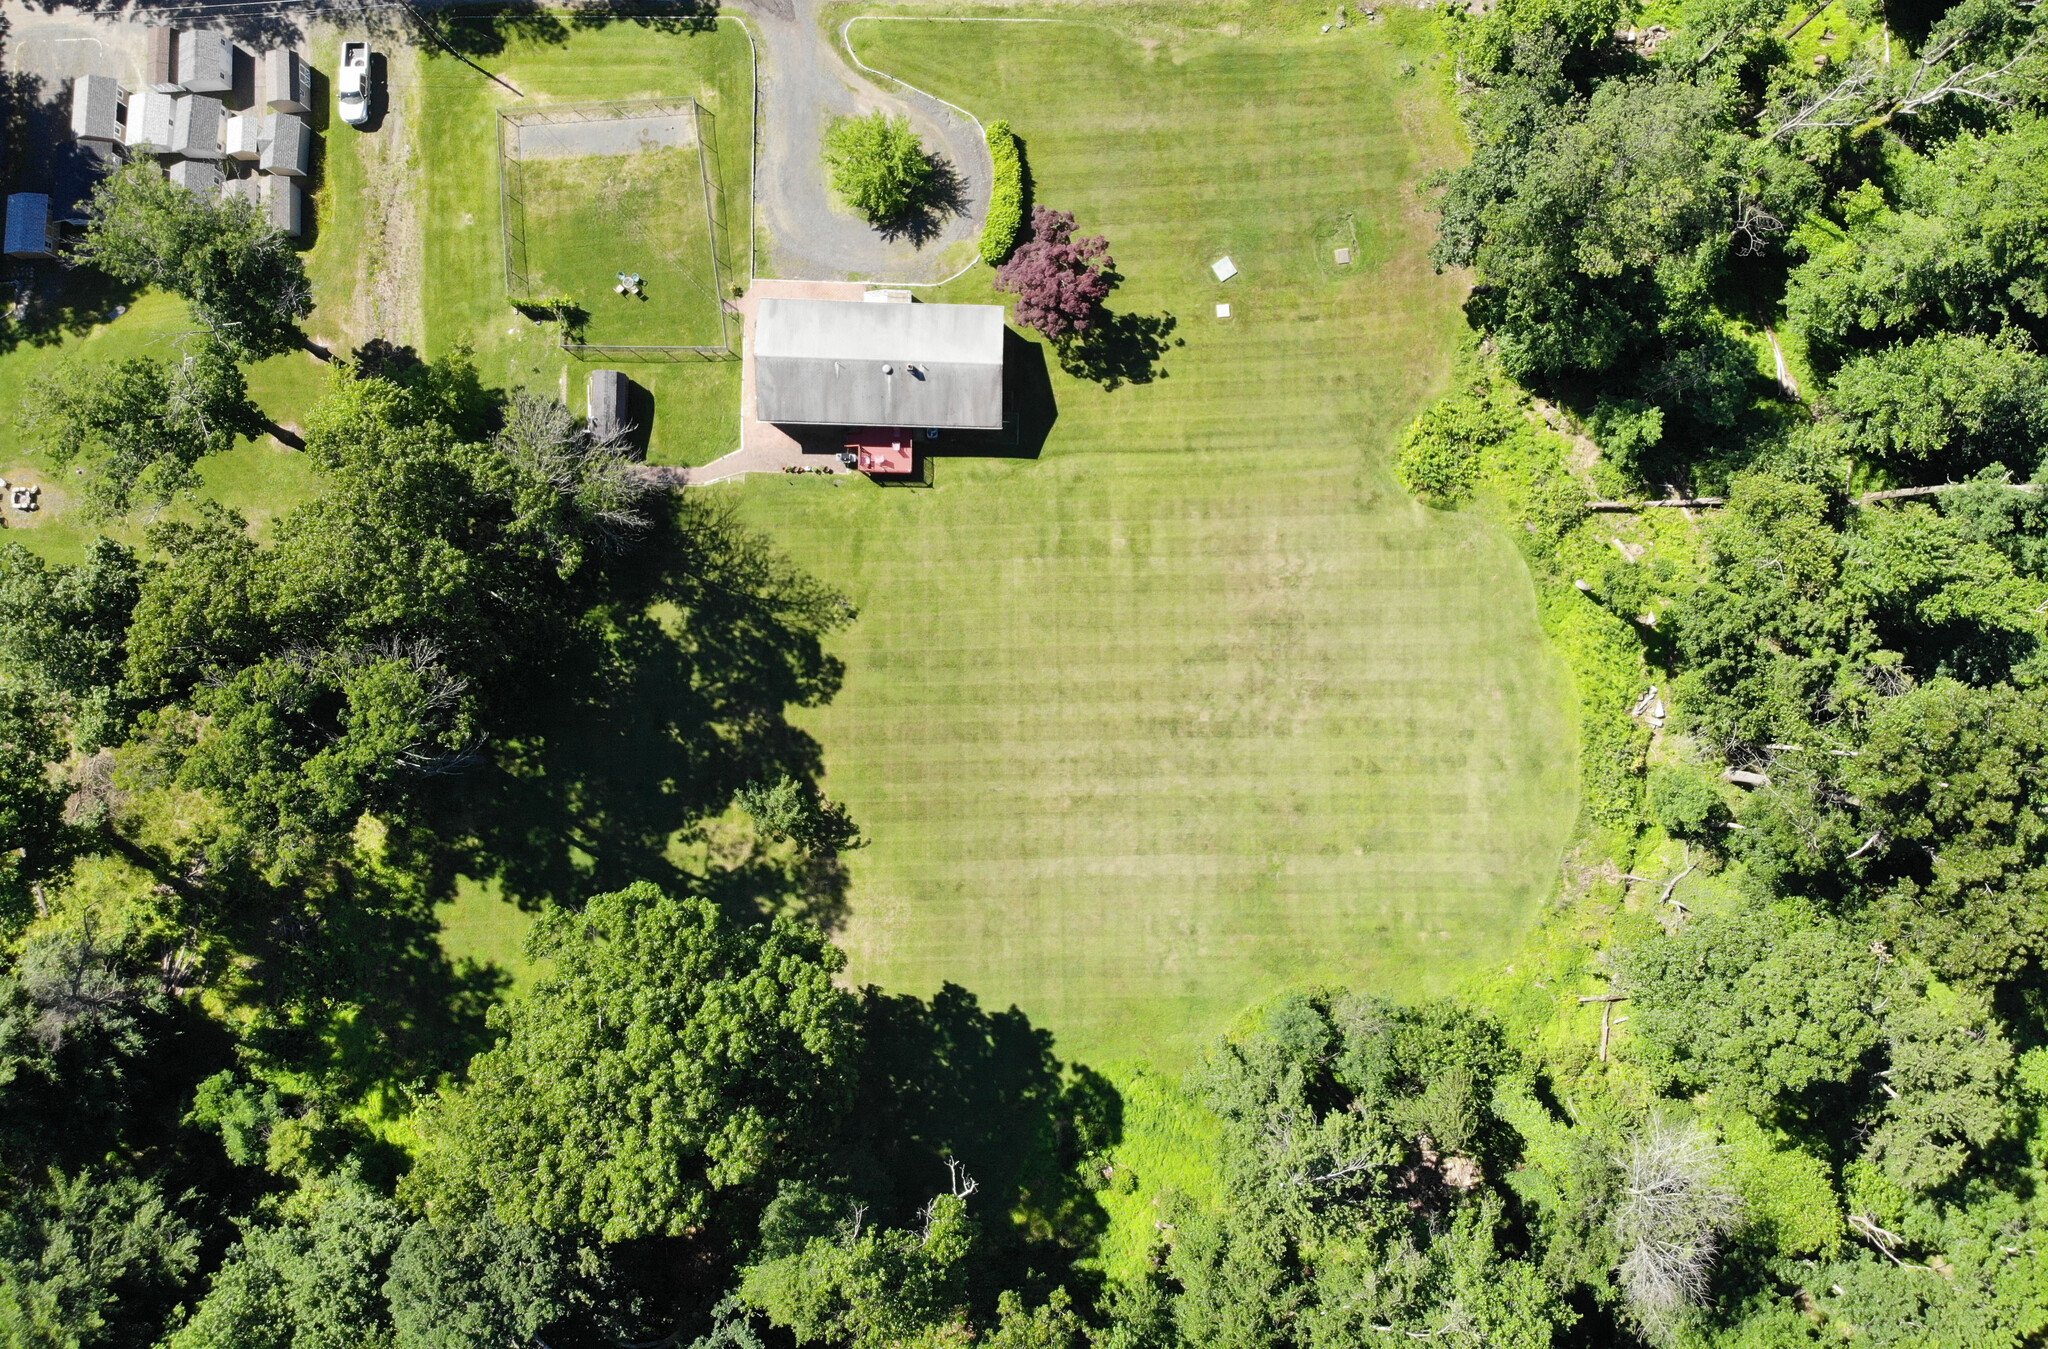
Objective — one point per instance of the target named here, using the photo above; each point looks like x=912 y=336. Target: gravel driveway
x=806 y=81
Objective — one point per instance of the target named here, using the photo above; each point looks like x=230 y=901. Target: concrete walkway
x=807 y=81
x=765 y=448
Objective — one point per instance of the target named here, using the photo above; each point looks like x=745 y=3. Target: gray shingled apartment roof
x=852 y=363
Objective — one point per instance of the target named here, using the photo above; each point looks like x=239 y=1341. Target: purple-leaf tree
x=1060 y=282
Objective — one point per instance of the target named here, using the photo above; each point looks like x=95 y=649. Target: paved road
x=806 y=81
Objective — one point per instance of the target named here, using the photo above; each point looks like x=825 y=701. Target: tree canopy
x=879 y=166
x=244 y=280
x=669 y=1058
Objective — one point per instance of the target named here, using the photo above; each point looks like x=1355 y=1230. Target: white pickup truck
x=353 y=89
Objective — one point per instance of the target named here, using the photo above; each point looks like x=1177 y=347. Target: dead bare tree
x=1754 y=229
x=596 y=473
x=1868 y=94
x=1842 y=104
x=1675 y=1209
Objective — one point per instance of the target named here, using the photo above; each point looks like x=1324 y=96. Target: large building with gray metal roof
x=851 y=363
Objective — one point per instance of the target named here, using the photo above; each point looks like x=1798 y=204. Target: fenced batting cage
x=614 y=220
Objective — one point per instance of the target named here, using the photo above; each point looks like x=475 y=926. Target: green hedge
x=1006 y=198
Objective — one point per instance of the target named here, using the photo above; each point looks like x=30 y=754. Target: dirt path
x=390 y=269
x=806 y=81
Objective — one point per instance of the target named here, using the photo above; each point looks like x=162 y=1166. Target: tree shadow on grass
x=1119 y=349
x=948 y=1080
x=486 y=30
x=677 y=696
x=472 y=31
x=685 y=16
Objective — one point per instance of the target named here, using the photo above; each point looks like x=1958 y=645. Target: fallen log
x=1667 y=503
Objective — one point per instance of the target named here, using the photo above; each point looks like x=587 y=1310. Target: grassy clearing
x=589 y=217
x=260 y=478
x=1170 y=1144
x=1195 y=704
x=696 y=404
x=479 y=925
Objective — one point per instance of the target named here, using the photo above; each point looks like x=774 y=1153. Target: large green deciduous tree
x=671 y=1065
x=91 y=1262
x=244 y=280
x=1963 y=245
x=879 y=166
x=64 y=634
x=875 y=1288
x=472 y=1279
x=1954 y=784
x=312 y=1281
x=1614 y=219
x=1940 y=408
x=138 y=426
x=1759 y=1007
x=1360 y=1143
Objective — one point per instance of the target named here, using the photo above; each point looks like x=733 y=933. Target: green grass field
x=1196 y=704
x=1192 y=703
x=590 y=217
x=696 y=403
x=259 y=478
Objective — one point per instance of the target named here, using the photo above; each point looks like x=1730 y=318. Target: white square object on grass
x=1343 y=257
x=1224 y=268
x=1223 y=311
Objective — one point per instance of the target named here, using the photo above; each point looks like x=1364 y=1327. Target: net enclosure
x=614 y=219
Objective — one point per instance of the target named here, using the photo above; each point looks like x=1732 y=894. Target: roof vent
x=888 y=369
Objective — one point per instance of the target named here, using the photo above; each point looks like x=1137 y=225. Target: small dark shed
x=608 y=391
x=28 y=226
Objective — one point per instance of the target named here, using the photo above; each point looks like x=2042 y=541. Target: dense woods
x=1801 y=287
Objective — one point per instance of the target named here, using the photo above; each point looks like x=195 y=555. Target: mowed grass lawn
x=259 y=477
x=590 y=217
x=557 y=59
x=1197 y=704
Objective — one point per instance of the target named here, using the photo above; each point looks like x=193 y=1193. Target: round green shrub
x=1687 y=804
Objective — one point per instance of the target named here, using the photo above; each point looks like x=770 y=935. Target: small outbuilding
x=287 y=144
x=99 y=109
x=29 y=231
x=196 y=121
x=606 y=393
x=241 y=136
x=201 y=176
x=287 y=81
x=847 y=363
x=149 y=122
x=283 y=204
x=160 y=62
x=206 y=62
